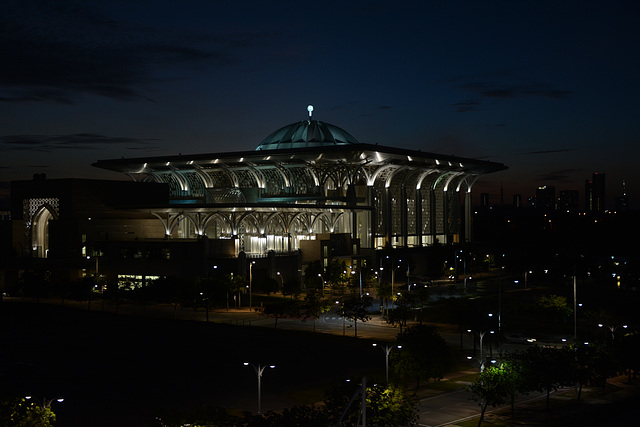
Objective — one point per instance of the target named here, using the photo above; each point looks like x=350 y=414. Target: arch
x=214 y=218
x=40 y=231
x=208 y=182
x=451 y=178
x=358 y=173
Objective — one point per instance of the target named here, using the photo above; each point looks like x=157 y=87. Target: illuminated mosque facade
x=305 y=183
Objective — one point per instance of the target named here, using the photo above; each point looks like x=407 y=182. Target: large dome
x=305 y=134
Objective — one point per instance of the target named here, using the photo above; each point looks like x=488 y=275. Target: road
x=457 y=406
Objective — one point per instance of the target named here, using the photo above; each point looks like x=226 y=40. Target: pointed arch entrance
x=40 y=232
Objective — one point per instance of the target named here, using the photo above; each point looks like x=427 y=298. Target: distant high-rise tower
x=622 y=201
x=484 y=200
x=568 y=200
x=594 y=193
x=517 y=200
x=546 y=197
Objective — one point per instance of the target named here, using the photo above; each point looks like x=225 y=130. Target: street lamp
x=281 y=280
x=250 y=284
x=259 y=370
x=387 y=349
x=393 y=274
x=481 y=362
x=321 y=283
x=481 y=334
x=46 y=403
x=613 y=329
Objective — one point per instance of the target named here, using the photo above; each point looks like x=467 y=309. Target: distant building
x=622 y=201
x=546 y=198
x=484 y=200
x=568 y=201
x=517 y=200
x=594 y=193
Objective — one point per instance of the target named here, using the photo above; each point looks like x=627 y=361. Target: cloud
x=53 y=52
x=560 y=150
x=49 y=143
x=559 y=176
x=516 y=90
x=466 y=106
x=502 y=84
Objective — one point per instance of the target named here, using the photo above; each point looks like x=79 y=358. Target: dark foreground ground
x=116 y=370
x=121 y=370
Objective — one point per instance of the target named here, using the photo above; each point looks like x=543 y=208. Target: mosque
x=310 y=191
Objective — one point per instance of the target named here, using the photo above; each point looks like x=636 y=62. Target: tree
x=402 y=312
x=384 y=292
x=464 y=313
x=335 y=275
x=267 y=284
x=555 y=307
x=280 y=310
x=292 y=287
x=314 y=306
x=514 y=380
x=424 y=354
x=355 y=308
x=313 y=275
x=587 y=364
x=386 y=405
x=26 y=413
x=547 y=369
x=391 y=405
x=628 y=350
x=491 y=388
x=205 y=289
x=231 y=283
x=115 y=294
x=423 y=294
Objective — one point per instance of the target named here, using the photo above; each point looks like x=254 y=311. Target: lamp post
x=526 y=278
x=281 y=280
x=251 y=284
x=393 y=274
x=387 y=349
x=96 y=284
x=341 y=308
x=613 y=329
x=46 y=403
x=481 y=334
x=259 y=370
x=321 y=283
x=481 y=362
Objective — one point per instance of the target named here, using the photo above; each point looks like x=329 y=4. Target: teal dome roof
x=305 y=134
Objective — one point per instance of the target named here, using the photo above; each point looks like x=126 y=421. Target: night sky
x=549 y=88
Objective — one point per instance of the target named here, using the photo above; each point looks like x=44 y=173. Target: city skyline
x=548 y=89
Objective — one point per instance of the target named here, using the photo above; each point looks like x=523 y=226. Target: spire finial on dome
x=310 y=110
